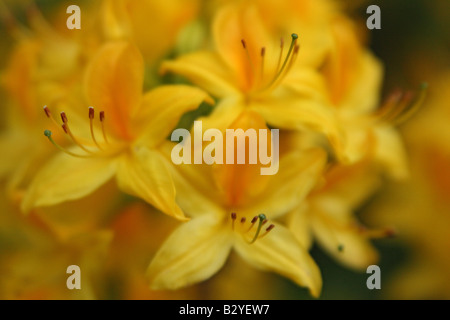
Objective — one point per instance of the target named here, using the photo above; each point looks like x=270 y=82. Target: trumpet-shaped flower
x=231 y=207
x=121 y=140
x=250 y=69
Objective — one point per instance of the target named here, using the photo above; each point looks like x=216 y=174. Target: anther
x=65 y=128
x=102 y=120
x=64 y=117
x=244 y=44
x=262 y=218
x=102 y=116
x=243 y=220
x=47 y=112
x=91 y=113
x=268 y=229
x=233 y=218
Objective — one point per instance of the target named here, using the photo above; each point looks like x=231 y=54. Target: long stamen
x=291 y=48
x=262 y=219
x=67 y=130
x=280 y=57
x=414 y=107
x=48 y=134
x=263 y=54
x=252 y=223
x=102 y=120
x=91 y=124
x=268 y=229
x=244 y=45
x=50 y=116
x=233 y=219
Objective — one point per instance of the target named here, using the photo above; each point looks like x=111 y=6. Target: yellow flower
x=419 y=206
x=250 y=70
x=124 y=141
x=230 y=206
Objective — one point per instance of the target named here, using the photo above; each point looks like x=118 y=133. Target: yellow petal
x=299 y=225
x=335 y=231
x=278 y=251
x=193 y=253
x=289 y=110
x=114 y=83
x=232 y=24
x=390 y=152
x=146 y=174
x=298 y=174
x=206 y=70
x=162 y=108
x=67 y=178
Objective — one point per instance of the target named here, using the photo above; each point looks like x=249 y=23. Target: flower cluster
x=87 y=142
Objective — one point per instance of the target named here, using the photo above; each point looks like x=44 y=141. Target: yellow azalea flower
x=132 y=20
x=353 y=78
x=33 y=262
x=327 y=216
x=124 y=139
x=230 y=207
x=250 y=70
x=44 y=66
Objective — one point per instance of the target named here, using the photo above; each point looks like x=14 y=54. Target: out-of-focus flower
x=45 y=66
x=132 y=126
x=419 y=206
x=227 y=207
x=352 y=77
x=33 y=262
x=131 y=20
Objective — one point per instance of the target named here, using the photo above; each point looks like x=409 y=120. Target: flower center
x=250 y=230
x=262 y=80
x=95 y=148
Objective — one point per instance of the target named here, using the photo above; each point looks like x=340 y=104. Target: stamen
x=415 y=106
x=91 y=124
x=244 y=45
x=48 y=134
x=293 y=45
x=281 y=54
x=233 y=219
x=252 y=223
x=102 y=120
x=64 y=117
x=243 y=220
x=50 y=116
x=263 y=54
x=262 y=218
x=268 y=229
x=67 y=130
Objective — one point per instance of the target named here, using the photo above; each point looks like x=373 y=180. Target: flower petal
x=286 y=109
x=67 y=178
x=298 y=174
x=162 y=108
x=281 y=253
x=193 y=253
x=337 y=234
x=206 y=70
x=114 y=83
x=146 y=174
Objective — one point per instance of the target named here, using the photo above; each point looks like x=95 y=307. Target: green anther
x=47 y=133
x=294 y=36
x=262 y=218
